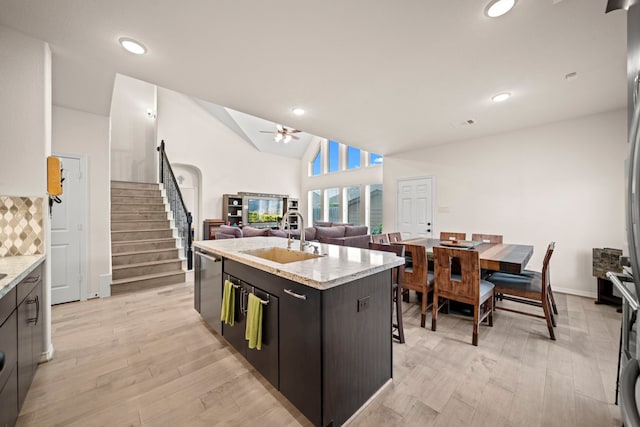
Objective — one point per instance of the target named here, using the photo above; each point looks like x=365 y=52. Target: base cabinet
x=264 y=360
x=8 y=367
x=29 y=337
x=20 y=343
x=332 y=354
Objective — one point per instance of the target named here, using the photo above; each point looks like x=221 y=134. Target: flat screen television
x=265 y=211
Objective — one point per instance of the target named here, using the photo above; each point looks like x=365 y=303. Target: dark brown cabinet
x=333 y=353
x=29 y=332
x=8 y=360
x=264 y=360
x=20 y=343
x=300 y=349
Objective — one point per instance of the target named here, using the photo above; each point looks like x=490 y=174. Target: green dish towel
x=253 y=332
x=227 y=313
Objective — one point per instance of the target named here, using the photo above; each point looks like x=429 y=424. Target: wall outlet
x=363 y=303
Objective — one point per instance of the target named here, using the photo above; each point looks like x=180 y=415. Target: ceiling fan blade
x=280 y=128
x=267 y=131
x=293 y=130
x=294 y=137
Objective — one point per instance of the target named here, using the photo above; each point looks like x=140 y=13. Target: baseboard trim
x=45 y=356
x=371 y=399
x=575 y=292
x=105 y=285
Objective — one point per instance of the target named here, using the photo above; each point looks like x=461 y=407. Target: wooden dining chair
x=380 y=238
x=530 y=288
x=467 y=287
x=395 y=237
x=396 y=289
x=448 y=235
x=416 y=276
x=487 y=238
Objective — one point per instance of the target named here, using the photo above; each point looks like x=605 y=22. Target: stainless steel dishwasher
x=208 y=288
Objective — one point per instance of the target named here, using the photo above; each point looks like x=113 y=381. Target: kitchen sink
x=281 y=255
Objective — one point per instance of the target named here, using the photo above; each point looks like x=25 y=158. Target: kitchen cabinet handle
x=209 y=257
x=32 y=279
x=295 y=294
x=2 y=360
x=35 y=301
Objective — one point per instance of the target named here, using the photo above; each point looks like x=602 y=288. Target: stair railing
x=182 y=216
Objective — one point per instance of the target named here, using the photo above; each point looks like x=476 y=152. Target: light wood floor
x=147 y=359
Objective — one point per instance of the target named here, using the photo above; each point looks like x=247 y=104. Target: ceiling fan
x=283 y=134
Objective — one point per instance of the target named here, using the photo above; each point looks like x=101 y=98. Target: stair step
x=123 y=236
x=139 y=225
x=135 y=192
x=135 y=185
x=142 y=245
x=147 y=281
x=124 y=258
x=136 y=207
x=144 y=268
x=138 y=216
x=139 y=200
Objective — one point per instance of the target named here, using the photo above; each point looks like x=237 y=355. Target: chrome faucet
x=285 y=221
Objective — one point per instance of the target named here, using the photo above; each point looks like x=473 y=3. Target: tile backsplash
x=21 y=229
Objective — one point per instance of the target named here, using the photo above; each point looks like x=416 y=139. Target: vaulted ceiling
x=386 y=76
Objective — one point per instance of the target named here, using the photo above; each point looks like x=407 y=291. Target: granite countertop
x=338 y=265
x=16 y=268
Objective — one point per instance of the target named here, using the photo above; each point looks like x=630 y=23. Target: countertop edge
x=15 y=278
x=280 y=270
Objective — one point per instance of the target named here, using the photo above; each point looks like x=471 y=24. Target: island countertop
x=336 y=266
x=16 y=268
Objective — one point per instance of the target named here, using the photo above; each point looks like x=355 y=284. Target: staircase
x=144 y=251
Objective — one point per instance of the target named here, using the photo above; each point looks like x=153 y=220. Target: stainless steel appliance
x=208 y=288
x=629 y=284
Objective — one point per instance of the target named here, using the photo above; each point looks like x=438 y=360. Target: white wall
x=228 y=163
x=24 y=114
x=78 y=133
x=133 y=132
x=25 y=132
x=561 y=182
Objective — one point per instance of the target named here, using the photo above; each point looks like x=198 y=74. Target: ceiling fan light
x=287 y=138
x=498 y=8
x=278 y=137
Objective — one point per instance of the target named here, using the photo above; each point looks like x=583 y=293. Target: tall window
x=315 y=199
x=333 y=204
x=334 y=156
x=375 y=159
x=316 y=164
x=353 y=157
x=353 y=205
x=375 y=208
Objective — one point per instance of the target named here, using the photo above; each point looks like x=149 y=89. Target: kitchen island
x=326 y=333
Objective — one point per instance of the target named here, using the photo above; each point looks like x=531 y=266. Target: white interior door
x=189 y=183
x=415 y=207
x=66 y=229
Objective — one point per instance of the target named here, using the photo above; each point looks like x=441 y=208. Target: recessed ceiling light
x=499 y=7
x=297 y=111
x=501 y=97
x=132 y=46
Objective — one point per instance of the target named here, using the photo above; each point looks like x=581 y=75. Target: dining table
x=506 y=257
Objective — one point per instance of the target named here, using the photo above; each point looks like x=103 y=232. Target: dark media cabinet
x=236 y=209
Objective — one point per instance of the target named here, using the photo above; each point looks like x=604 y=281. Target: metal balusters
x=182 y=217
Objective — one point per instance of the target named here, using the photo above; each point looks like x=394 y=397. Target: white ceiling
x=386 y=76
